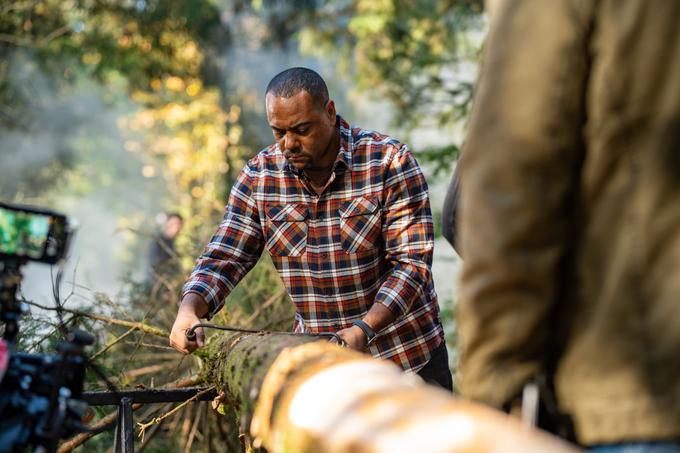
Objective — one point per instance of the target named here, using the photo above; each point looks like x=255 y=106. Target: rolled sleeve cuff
x=211 y=294
x=394 y=299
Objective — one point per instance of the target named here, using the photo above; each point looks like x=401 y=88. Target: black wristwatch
x=370 y=333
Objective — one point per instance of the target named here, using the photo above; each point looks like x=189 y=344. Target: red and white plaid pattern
x=368 y=238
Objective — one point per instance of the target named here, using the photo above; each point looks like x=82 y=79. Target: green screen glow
x=23 y=233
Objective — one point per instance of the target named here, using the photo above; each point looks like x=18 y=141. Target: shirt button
x=325 y=256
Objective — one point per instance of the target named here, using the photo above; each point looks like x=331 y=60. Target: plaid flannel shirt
x=368 y=238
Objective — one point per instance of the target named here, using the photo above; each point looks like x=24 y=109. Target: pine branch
x=119 y=322
x=112 y=343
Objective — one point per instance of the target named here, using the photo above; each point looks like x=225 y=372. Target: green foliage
x=158 y=72
x=413 y=53
x=142 y=40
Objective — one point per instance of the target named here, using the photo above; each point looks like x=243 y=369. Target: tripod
x=11 y=309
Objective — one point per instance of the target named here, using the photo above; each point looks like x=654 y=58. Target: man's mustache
x=292 y=153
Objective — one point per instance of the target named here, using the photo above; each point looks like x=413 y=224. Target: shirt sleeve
x=450 y=212
x=408 y=234
x=234 y=249
x=519 y=173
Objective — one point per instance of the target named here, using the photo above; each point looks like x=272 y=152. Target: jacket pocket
x=287 y=229
x=360 y=225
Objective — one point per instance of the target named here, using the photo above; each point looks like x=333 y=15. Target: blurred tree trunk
x=294 y=393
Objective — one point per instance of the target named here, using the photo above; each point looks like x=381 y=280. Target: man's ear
x=330 y=111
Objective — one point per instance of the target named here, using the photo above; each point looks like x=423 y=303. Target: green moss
x=238 y=364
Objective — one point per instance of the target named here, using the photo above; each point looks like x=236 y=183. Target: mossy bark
x=237 y=364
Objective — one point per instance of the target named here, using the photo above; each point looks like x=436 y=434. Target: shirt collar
x=346 y=143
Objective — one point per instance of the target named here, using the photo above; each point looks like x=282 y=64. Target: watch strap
x=370 y=333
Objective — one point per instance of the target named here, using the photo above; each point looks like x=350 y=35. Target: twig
x=4 y=37
x=119 y=322
x=156 y=420
x=192 y=433
x=208 y=431
x=146 y=370
x=157 y=356
x=152 y=432
x=73 y=283
x=112 y=343
x=151 y=345
x=57 y=33
x=45 y=337
x=185 y=415
x=268 y=303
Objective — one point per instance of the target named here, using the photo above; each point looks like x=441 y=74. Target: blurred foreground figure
x=570 y=217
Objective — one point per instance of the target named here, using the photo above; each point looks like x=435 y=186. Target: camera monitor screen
x=31 y=234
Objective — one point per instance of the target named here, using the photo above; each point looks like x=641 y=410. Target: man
x=162 y=257
x=345 y=215
x=570 y=217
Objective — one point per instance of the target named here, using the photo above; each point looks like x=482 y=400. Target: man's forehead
x=286 y=111
x=299 y=99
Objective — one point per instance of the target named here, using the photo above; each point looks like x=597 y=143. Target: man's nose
x=290 y=141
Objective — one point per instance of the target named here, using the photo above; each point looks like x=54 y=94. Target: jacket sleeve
x=408 y=234
x=450 y=212
x=521 y=160
x=234 y=249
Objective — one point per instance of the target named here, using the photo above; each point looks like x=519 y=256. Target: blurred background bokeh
x=117 y=111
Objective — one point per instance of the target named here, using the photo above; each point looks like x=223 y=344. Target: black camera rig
x=39 y=394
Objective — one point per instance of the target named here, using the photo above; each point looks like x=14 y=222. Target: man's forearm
x=195 y=304
x=379 y=317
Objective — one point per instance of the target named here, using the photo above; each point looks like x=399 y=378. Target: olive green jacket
x=570 y=214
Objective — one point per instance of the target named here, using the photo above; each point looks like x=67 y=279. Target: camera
x=32 y=234
x=39 y=394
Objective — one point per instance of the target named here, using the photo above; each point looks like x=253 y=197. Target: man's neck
x=319 y=188
x=319 y=176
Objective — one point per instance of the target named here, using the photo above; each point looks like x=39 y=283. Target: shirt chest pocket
x=360 y=224
x=286 y=229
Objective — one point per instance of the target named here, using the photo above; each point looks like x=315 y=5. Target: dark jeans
x=436 y=372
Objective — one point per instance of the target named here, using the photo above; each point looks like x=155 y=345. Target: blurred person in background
x=570 y=218
x=162 y=257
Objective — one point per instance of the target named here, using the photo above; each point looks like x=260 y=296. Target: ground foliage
x=175 y=121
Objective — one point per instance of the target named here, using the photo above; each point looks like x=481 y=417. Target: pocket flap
x=287 y=213
x=359 y=206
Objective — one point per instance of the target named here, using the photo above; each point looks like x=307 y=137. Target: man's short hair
x=177 y=215
x=291 y=81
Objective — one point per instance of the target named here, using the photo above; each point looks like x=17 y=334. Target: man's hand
x=354 y=337
x=191 y=310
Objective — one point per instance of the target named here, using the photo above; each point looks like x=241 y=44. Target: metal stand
x=123 y=440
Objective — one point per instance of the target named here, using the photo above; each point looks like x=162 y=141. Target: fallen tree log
x=294 y=393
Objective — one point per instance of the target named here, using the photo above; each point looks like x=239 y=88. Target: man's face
x=303 y=129
x=172 y=227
